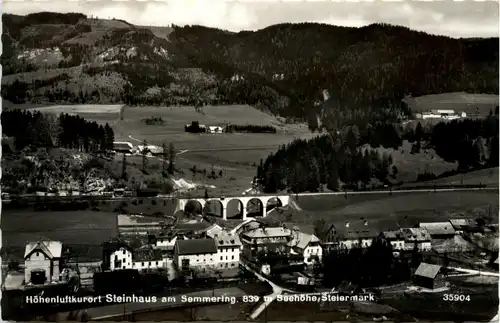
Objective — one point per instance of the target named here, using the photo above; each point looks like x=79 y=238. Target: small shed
x=428 y=276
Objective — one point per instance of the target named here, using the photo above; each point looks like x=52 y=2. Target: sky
x=466 y=18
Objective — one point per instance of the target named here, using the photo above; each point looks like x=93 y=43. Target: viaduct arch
x=244 y=200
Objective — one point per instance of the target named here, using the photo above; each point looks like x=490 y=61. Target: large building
x=439 y=230
x=43 y=262
x=195 y=254
x=307 y=245
x=351 y=235
x=417 y=237
x=117 y=255
x=262 y=239
x=124 y=147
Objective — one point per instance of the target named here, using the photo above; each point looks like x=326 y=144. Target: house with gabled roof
x=428 y=276
x=43 y=261
x=307 y=245
x=195 y=253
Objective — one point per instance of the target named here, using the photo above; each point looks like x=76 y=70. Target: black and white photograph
x=236 y=161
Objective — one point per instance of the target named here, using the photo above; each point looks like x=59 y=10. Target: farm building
x=123 y=147
x=151 y=149
x=117 y=255
x=201 y=253
x=43 y=262
x=396 y=239
x=439 y=230
x=195 y=127
x=307 y=245
x=461 y=224
x=351 y=235
x=428 y=276
x=416 y=237
x=140 y=225
x=441 y=114
x=215 y=129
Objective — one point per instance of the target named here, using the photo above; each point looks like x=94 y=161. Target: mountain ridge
x=284 y=67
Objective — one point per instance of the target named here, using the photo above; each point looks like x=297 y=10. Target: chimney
x=347 y=224
x=326 y=95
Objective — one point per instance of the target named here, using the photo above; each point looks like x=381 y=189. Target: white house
x=260 y=239
x=118 y=256
x=42 y=261
x=166 y=242
x=396 y=239
x=351 y=235
x=419 y=237
x=195 y=253
x=214 y=129
x=228 y=249
x=307 y=245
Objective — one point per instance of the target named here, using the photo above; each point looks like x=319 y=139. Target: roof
x=151 y=148
x=122 y=145
x=496 y=261
x=460 y=223
x=416 y=234
x=214 y=229
x=115 y=244
x=224 y=239
x=427 y=270
x=147 y=254
x=393 y=235
x=53 y=249
x=268 y=232
x=301 y=240
x=195 y=246
x=354 y=231
x=438 y=228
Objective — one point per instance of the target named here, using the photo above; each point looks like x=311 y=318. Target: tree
x=144 y=153
x=394 y=171
x=419 y=132
x=171 y=158
x=124 y=167
x=164 y=159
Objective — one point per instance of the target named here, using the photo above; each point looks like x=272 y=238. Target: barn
x=428 y=276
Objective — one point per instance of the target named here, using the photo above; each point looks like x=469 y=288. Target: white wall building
x=419 y=237
x=229 y=248
x=396 y=239
x=42 y=262
x=307 y=245
x=215 y=129
x=196 y=253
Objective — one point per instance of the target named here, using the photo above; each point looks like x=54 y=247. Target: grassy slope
x=410 y=165
x=472 y=104
x=383 y=211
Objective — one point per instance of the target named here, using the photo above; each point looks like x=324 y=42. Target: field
x=235 y=154
x=70 y=227
x=410 y=165
x=384 y=212
x=472 y=104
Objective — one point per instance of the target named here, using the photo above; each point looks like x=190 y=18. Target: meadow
x=384 y=211
x=70 y=227
x=236 y=154
x=472 y=104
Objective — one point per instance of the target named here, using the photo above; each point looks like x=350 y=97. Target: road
x=472 y=271
x=277 y=290
x=112 y=311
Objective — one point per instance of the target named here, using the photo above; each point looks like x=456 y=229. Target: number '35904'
x=456 y=298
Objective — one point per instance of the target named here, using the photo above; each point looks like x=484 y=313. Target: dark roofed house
x=122 y=147
x=195 y=253
x=439 y=230
x=428 y=276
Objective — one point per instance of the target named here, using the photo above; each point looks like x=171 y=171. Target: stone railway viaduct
x=282 y=200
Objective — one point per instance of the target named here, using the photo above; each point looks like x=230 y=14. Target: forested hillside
x=52 y=57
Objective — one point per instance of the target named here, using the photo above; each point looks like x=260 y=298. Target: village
x=150 y=257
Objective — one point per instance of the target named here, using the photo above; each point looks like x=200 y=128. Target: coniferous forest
x=308 y=166
x=65 y=131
